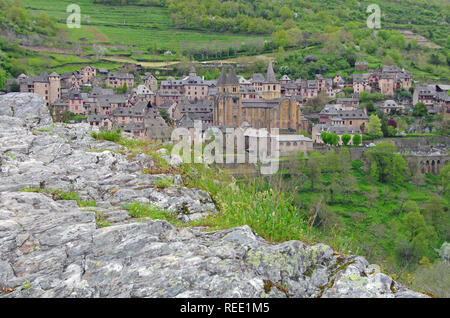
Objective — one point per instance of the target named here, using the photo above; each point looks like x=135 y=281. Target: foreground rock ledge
x=55 y=249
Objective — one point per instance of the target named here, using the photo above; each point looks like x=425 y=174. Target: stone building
x=292 y=144
x=151 y=82
x=361 y=66
x=348 y=118
x=270 y=111
x=46 y=86
x=117 y=80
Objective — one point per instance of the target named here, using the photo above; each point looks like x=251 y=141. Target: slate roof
x=270 y=77
x=258 y=78
x=120 y=75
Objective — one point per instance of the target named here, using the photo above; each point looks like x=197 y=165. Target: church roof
x=223 y=77
x=232 y=78
x=270 y=78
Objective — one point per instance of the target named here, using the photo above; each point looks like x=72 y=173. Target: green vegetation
x=165 y=115
x=374 y=127
x=143 y=210
x=420 y=110
x=330 y=138
x=100 y=219
x=166 y=182
x=357 y=139
x=268 y=212
x=110 y=135
x=387 y=210
x=63 y=195
x=157 y=33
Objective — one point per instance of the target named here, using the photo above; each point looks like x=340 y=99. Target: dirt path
x=46 y=49
x=422 y=41
x=98 y=34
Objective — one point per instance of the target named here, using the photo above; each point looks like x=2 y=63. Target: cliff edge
x=54 y=248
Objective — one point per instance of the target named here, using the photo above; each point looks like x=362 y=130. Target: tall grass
x=110 y=135
x=269 y=213
x=144 y=210
x=58 y=195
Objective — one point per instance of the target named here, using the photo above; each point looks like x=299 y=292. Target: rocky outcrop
x=54 y=248
x=26 y=106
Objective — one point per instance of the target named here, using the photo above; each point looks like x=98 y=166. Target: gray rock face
x=49 y=249
x=27 y=106
x=54 y=248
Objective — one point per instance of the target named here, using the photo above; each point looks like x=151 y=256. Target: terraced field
x=143 y=27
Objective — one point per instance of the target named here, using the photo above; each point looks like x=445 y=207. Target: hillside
x=81 y=217
x=160 y=33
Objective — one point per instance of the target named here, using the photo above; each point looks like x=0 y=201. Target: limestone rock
x=27 y=106
x=54 y=248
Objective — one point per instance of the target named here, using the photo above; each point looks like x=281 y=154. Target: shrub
x=110 y=135
x=58 y=195
x=166 y=182
x=357 y=139
x=145 y=210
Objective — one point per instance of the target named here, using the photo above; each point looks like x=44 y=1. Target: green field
x=143 y=27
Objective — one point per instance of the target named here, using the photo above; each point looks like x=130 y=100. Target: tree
x=346 y=139
x=334 y=139
x=280 y=38
x=334 y=188
x=415 y=238
x=14 y=87
x=410 y=206
x=444 y=178
x=313 y=169
x=357 y=139
x=123 y=89
x=2 y=79
x=370 y=107
x=331 y=162
x=385 y=165
x=165 y=115
x=374 y=128
x=436 y=216
x=286 y=13
x=420 y=110
x=401 y=125
x=344 y=159
x=399 y=169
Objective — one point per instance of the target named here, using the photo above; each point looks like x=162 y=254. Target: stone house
x=46 y=86
x=74 y=79
x=172 y=110
x=355 y=117
x=116 y=80
x=163 y=96
x=151 y=82
x=361 y=66
x=78 y=103
x=348 y=103
x=88 y=73
x=292 y=144
x=108 y=103
x=390 y=106
x=339 y=81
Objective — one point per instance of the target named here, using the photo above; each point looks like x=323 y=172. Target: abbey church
x=259 y=102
